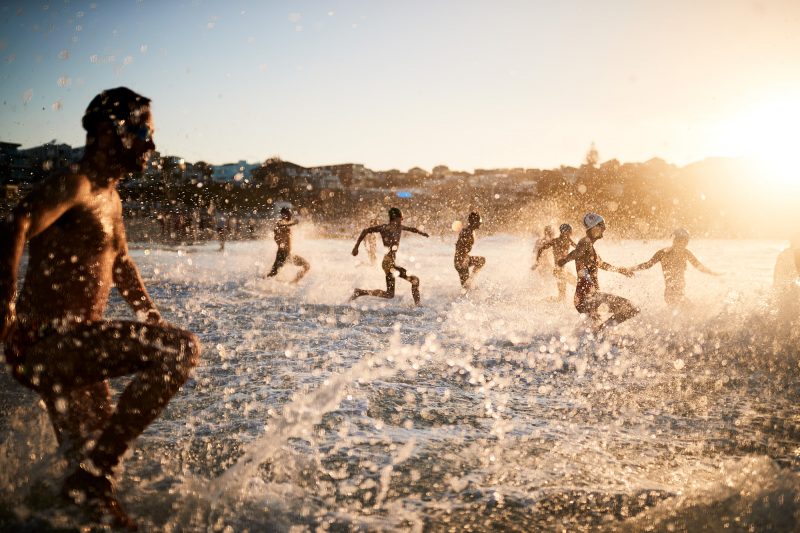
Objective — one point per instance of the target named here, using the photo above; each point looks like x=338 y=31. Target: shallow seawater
x=491 y=410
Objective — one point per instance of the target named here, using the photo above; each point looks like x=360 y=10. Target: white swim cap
x=681 y=233
x=591 y=220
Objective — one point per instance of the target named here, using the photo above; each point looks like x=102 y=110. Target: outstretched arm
x=698 y=265
x=129 y=282
x=567 y=258
x=35 y=213
x=413 y=230
x=364 y=233
x=647 y=264
x=540 y=250
x=611 y=268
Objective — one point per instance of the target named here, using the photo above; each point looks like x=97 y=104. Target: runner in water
x=786 y=280
x=462 y=260
x=390 y=234
x=57 y=341
x=673 y=263
x=548 y=236
x=588 y=297
x=283 y=238
x=560 y=246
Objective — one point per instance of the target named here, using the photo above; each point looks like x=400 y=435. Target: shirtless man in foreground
x=462 y=260
x=390 y=234
x=56 y=339
x=588 y=297
x=560 y=246
x=673 y=262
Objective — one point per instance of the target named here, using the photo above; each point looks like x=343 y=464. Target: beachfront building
x=233 y=172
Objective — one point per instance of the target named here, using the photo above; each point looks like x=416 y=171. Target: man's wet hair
x=117 y=106
x=394 y=213
x=285 y=211
x=474 y=217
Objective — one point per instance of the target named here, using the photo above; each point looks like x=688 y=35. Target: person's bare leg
x=280 y=259
x=621 y=310
x=303 y=264
x=388 y=293
x=78 y=415
x=477 y=263
x=562 y=287
x=414 y=289
x=64 y=364
x=414 y=280
x=463 y=276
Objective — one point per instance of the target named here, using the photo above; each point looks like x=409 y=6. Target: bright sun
x=770 y=134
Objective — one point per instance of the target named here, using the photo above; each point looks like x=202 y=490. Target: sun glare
x=767 y=134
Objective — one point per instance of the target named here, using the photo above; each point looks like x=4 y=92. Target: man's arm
x=611 y=268
x=129 y=282
x=413 y=230
x=540 y=250
x=698 y=265
x=658 y=256
x=34 y=214
x=364 y=233
x=569 y=257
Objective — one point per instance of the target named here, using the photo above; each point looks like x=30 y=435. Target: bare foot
x=97 y=495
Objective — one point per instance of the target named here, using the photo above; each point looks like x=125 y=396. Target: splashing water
x=488 y=410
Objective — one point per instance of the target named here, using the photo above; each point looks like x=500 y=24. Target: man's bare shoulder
x=57 y=189
x=67 y=184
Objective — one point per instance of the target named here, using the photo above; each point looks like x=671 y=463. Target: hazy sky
x=397 y=84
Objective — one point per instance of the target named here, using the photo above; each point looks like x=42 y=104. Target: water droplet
x=61 y=404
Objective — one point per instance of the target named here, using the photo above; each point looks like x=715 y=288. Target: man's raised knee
x=185 y=359
x=193 y=349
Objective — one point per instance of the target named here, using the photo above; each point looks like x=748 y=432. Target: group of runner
x=588 y=299
x=58 y=343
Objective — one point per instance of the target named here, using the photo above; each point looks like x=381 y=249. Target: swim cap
x=118 y=106
x=563 y=228
x=394 y=213
x=591 y=220
x=681 y=233
x=474 y=218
